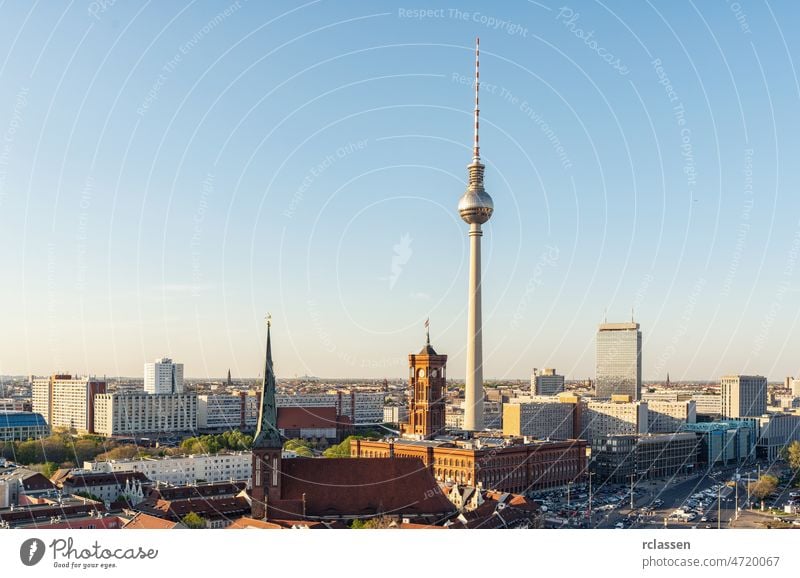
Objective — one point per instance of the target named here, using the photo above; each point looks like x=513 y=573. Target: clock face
x=421 y=373
x=434 y=373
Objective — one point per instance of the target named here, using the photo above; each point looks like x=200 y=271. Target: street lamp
x=719 y=507
x=632 y=477
x=569 y=485
x=591 y=474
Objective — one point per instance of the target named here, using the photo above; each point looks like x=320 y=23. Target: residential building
x=743 y=396
x=163 y=376
x=619 y=360
x=66 y=401
x=130 y=414
x=668 y=416
x=546 y=382
x=20 y=486
x=16 y=404
x=107 y=487
x=183 y=470
x=22 y=425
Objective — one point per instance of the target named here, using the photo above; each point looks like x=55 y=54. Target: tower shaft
x=473 y=410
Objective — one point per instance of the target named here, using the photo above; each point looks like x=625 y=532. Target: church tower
x=267 y=445
x=427 y=387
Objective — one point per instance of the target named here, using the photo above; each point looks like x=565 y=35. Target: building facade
x=743 y=396
x=492 y=464
x=539 y=420
x=130 y=414
x=618 y=458
x=183 y=470
x=668 y=416
x=427 y=387
x=723 y=442
x=66 y=401
x=616 y=417
x=775 y=432
x=546 y=382
x=21 y=426
x=363 y=407
x=619 y=360
x=163 y=376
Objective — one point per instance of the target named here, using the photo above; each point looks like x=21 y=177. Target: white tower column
x=473 y=411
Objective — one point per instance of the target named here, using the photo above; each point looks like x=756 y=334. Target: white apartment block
x=603 y=418
x=669 y=416
x=221 y=412
x=163 y=376
x=743 y=396
x=65 y=401
x=129 y=414
x=182 y=470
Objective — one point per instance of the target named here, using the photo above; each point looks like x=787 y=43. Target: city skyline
x=160 y=205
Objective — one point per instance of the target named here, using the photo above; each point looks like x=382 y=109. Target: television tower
x=475 y=207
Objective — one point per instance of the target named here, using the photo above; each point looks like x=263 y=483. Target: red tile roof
x=306 y=417
x=142 y=521
x=361 y=487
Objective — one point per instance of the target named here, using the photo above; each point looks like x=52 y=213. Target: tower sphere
x=475 y=205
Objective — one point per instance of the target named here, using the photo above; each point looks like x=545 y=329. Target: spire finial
x=428 y=331
x=268 y=318
x=476 y=149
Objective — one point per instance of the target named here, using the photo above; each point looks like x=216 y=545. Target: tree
x=793 y=456
x=193 y=521
x=49 y=469
x=763 y=488
x=341 y=450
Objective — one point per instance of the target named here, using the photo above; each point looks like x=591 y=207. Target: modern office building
x=66 y=401
x=163 y=376
x=668 y=416
x=743 y=396
x=22 y=425
x=618 y=458
x=775 y=432
x=131 y=414
x=546 y=382
x=619 y=360
x=618 y=416
x=396 y=414
x=723 y=442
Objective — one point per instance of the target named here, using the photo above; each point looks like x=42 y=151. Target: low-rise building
x=182 y=470
x=22 y=425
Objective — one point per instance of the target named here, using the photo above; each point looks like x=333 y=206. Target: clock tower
x=427 y=388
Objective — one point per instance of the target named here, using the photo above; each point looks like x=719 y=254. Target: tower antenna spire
x=476 y=148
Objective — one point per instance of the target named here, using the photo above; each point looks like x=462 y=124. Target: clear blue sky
x=169 y=172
